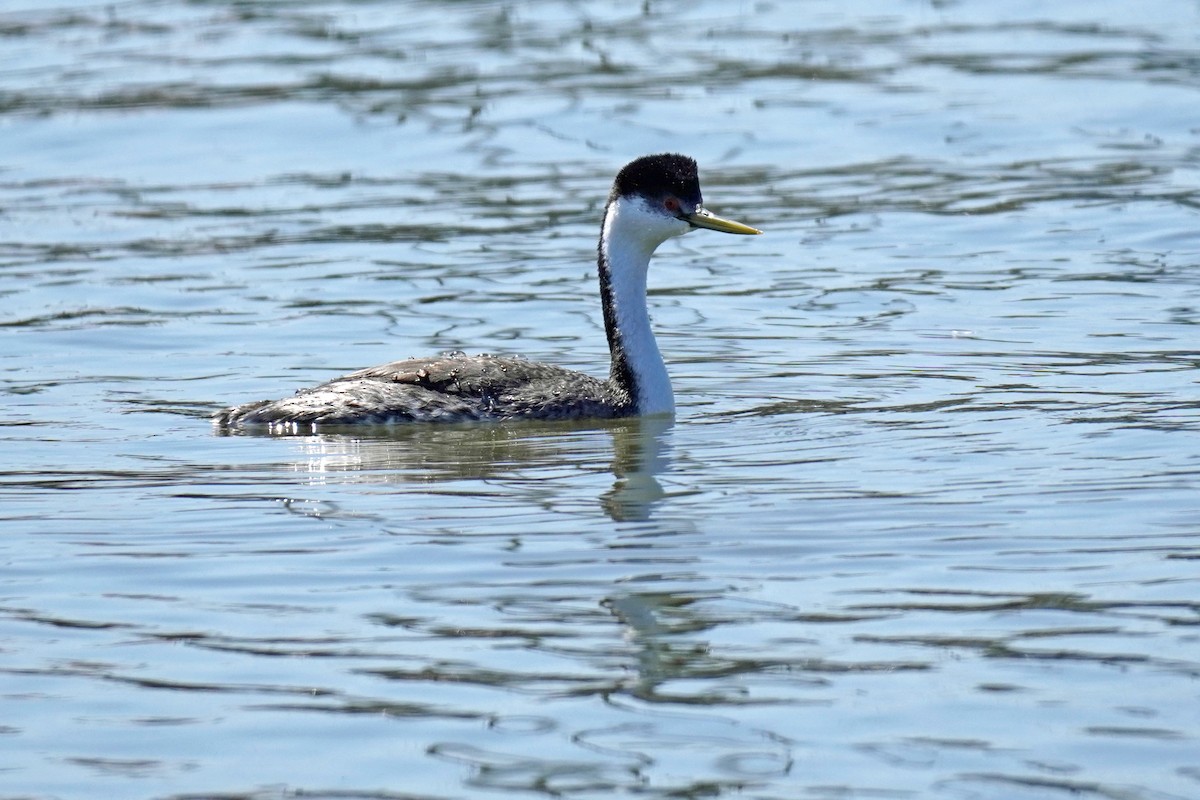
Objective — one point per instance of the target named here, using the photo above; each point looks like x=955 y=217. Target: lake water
x=927 y=524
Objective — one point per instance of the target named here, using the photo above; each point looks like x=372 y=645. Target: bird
x=653 y=198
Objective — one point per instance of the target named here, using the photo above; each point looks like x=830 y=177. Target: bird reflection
x=633 y=449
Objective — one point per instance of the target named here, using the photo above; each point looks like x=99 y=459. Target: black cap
x=657 y=176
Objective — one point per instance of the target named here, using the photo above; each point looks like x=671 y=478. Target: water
x=927 y=523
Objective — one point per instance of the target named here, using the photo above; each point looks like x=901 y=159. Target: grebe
x=653 y=198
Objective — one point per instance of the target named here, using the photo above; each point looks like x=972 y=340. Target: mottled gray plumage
x=452 y=388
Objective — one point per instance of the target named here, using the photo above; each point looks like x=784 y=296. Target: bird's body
x=653 y=199
x=453 y=387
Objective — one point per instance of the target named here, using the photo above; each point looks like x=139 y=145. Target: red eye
x=671 y=204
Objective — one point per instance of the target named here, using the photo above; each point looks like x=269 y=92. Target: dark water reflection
x=926 y=524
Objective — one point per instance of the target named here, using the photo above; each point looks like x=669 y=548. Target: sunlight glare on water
x=925 y=526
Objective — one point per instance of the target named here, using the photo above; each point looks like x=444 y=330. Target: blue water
x=926 y=524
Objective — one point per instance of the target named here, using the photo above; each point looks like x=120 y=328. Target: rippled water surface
x=927 y=524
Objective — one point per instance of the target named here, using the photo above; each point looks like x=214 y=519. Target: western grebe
x=653 y=198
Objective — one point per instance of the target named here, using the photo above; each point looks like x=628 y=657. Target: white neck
x=629 y=237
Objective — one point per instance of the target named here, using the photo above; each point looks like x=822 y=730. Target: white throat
x=630 y=235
